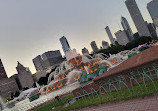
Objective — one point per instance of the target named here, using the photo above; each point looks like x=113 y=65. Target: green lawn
x=96 y=99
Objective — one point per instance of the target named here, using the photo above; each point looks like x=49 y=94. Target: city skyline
x=34 y=35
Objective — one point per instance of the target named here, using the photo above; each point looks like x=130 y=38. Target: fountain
x=80 y=68
x=3 y=105
x=73 y=73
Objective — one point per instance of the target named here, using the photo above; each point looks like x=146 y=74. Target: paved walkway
x=146 y=104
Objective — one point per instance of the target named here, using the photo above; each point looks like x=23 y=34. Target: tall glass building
x=94 y=46
x=127 y=28
x=137 y=18
x=112 y=40
x=153 y=10
x=65 y=44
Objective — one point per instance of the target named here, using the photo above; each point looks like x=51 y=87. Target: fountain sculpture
x=81 y=68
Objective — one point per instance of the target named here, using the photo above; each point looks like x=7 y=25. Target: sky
x=31 y=27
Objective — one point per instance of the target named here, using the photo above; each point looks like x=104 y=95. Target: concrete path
x=146 y=104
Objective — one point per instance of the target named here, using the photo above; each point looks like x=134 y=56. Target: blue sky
x=30 y=27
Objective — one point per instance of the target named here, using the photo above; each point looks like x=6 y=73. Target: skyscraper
x=39 y=63
x=137 y=17
x=24 y=76
x=94 y=46
x=127 y=28
x=153 y=9
x=65 y=44
x=3 y=74
x=112 y=40
x=52 y=58
x=152 y=30
x=47 y=60
x=122 y=37
x=105 y=44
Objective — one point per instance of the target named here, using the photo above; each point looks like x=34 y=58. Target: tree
x=114 y=49
x=25 y=88
x=12 y=95
x=17 y=93
x=43 y=81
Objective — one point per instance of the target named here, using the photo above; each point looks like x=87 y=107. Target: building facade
x=137 y=18
x=3 y=74
x=24 y=76
x=65 y=44
x=7 y=85
x=47 y=60
x=38 y=63
x=122 y=37
x=127 y=28
x=94 y=46
x=153 y=9
x=152 y=30
x=105 y=44
x=85 y=51
x=38 y=75
x=52 y=58
x=112 y=40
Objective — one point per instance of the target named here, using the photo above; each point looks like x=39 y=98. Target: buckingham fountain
x=78 y=70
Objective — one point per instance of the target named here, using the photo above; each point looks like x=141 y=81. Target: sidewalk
x=146 y=104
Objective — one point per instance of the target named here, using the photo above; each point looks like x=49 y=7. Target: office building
x=122 y=37
x=47 y=60
x=127 y=28
x=85 y=51
x=105 y=44
x=153 y=10
x=24 y=76
x=112 y=40
x=137 y=18
x=7 y=85
x=65 y=44
x=39 y=63
x=94 y=46
x=52 y=58
x=152 y=30
x=3 y=74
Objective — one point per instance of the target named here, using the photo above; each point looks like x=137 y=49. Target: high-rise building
x=24 y=76
x=3 y=74
x=137 y=18
x=52 y=58
x=85 y=51
x=122 y=37
x=105 y=44
x=47 y=60
x=153 y=9
x=152 y=30
x=127 y=28
x=65 y=44
x=7 y=85
x=94 y=46
x=39 y=63
x=112 y=40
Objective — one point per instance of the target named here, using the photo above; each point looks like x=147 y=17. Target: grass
x=95 y=100
x=54 y=103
